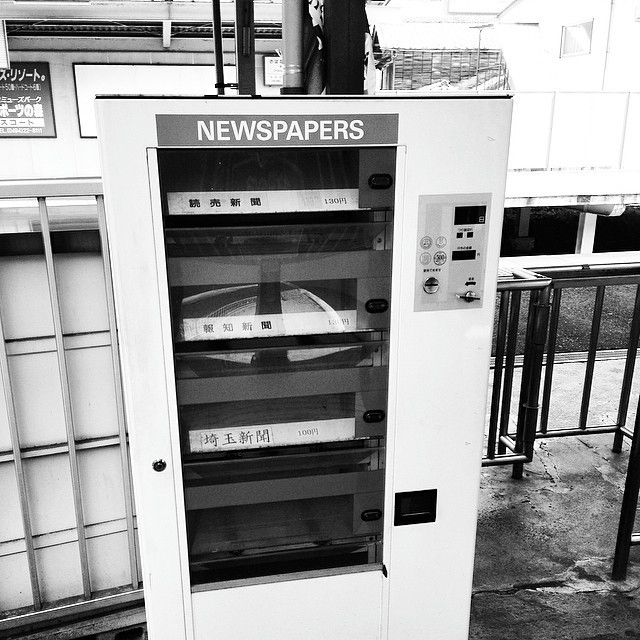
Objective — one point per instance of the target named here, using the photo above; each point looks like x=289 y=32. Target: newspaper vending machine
x=304 y=292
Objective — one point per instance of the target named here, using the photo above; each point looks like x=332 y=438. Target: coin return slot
x=415 y=507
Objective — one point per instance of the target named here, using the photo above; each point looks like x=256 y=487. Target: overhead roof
x=461 y=34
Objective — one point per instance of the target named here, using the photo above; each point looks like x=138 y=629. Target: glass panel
x=270 y=309
x=25 y=304
x=279 y=359
x=577 y=38
x=109 y=561
x=72 y=213
x=15 y=592
x=59 y=571
x=293 y=511
x=73 y=223
x=37 y=397
x=266 y=239
x=20 y=228
x=280 y=327
x=81 y=291
x=258 y=181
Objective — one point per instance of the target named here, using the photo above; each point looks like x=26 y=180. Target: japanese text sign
x=26 y=107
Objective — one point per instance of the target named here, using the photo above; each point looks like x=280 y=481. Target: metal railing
x=526 y=343
x=505 y=446
x=626 y=537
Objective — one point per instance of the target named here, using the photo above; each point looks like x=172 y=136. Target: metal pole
x=292 y=52
x=629 y=506
x=478 y=59
x=217 y=45
x=627 y=378
x=245 y=48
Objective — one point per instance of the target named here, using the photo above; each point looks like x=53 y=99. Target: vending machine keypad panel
x=450 y=252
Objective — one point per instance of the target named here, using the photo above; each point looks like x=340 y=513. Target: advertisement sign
x=26 y=107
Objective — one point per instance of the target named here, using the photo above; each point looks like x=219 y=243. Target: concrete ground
x=546 y=542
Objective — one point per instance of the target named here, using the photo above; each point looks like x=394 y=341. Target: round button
x=441 y=241
x=431 y=285
x=425 y=258
x=439 y=258
x=426 y=242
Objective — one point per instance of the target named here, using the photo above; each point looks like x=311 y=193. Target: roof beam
x=127 y=10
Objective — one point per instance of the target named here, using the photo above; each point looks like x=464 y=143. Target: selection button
x=439 y=258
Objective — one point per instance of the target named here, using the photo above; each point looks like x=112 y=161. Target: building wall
x=531 y=38
x=69 y=155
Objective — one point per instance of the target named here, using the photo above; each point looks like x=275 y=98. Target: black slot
x=415 y=507
x=380 y=181
x=376 y=305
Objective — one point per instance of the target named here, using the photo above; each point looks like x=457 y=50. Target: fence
x=67 y=534
x=530 y=340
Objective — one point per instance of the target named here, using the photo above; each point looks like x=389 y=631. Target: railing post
x=531 y=375
x=629 y=506
x=498 y=369
x=627 y=378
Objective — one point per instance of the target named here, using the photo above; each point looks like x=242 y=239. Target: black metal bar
x=245 y=47
x=523 y=284
x=592 y=281
x=507 y=389
x=591 y=358
x=629 y=506
x=561 y=433
x=539 y=335
x=217 y=45
x=551 y=355
x=509 y=443
x=590 y=271
x=501 y=334
x=627 y=378
x=536 y=339
x=507 y=458
x=345 y=27
x=525 y=382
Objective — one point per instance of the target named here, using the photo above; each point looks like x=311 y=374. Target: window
x=576 y=39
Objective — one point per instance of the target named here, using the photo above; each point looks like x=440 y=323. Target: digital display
x=468 y=254
x=476 y=214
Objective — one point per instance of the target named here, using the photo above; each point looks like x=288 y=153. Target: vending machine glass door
x=279 y=277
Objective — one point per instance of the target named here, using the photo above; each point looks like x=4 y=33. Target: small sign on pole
x=273 y=71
